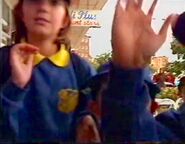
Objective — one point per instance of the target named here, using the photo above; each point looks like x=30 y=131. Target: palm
x=132 y=35
x=22 y=63
x=22 y=71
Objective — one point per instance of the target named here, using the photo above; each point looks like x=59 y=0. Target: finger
x=15 y=54
x=95 y=134
x=24 y=56
x=131 y=4
x=164 y=28
x=174 y=20
x=21 y=53
x=140 y=3
x=27 y=59
x=30 y=61
x=20 y=49
x=152 y=8
x=82 y=131
x=28 y=48
x=122 y=4
x=88 y=130
x=119 y=12
x=28 y=53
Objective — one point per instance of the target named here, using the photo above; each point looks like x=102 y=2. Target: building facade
x=158 y=63
x=83 y=48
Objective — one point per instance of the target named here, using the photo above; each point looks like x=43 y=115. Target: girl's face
x=44 y=18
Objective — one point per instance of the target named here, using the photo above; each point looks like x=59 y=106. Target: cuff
x=125 y=83
x=126 y=75
x=12 y=92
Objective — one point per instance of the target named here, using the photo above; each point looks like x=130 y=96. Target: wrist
x=19 y=83
x=142 y=61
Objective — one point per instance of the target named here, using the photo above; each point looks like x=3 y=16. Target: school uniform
x=44 y=110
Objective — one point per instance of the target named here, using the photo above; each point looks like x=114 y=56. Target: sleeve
x=125 y=116
x=11 y=102
x=83 y=71
x=11 y=98
x=171 y=120
x=10 y=95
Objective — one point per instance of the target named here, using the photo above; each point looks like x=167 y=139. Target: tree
x=178 y=49
x=102 y=59
x=171 y=93
x=178 y=66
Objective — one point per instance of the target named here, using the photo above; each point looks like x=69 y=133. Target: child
x=125 y=113
x=35 y=72
x=101 y=80
x=125 y=116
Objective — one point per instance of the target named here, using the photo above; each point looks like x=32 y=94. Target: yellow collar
x=60 y=59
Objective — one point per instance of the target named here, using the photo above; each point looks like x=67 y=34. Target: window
x=6 y=21
x=5 y=12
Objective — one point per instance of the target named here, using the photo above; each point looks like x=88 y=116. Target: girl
x=40 y=78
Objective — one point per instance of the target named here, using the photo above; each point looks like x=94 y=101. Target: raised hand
x=21 y=60
x=133 y=39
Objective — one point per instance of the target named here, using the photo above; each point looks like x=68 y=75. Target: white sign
x=86 y=18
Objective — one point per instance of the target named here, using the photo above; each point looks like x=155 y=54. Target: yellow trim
x=61 y=58
x=38 y=58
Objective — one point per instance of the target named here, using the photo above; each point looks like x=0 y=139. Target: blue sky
x=100 y=38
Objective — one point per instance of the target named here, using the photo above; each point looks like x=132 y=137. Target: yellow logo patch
x=68 y=100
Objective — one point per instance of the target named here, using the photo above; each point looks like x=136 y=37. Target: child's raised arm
x=125 y=114
x=133 y=39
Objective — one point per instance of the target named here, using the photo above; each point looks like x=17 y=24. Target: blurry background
x=91 y=35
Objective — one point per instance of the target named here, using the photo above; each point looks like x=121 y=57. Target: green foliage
x=177 y=67
x=169 y=92
x=102 y=59
x=95 y=64
x=178 y=49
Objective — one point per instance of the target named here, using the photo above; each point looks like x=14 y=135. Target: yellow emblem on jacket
x=68 y=100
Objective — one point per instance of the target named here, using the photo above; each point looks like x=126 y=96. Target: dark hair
x=179 y=29
x=20 y=29
x=181 y=83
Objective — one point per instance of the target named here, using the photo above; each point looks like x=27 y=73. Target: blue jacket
x=32 y=114
x=175 y=121
x=125 y=117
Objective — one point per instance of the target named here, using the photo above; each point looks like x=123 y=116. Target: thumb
x=164 y=29
x=95 y=137
x=174 y=20
x=120 y=8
